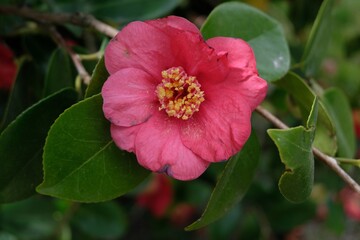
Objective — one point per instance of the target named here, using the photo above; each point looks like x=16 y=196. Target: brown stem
x=64 y=220
x=80 y=19
x=330 y=161
x=271 y=118
x=74 y=57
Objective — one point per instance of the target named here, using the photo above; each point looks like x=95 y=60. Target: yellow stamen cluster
x=179 y=94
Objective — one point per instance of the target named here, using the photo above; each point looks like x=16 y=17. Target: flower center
x=180 y=95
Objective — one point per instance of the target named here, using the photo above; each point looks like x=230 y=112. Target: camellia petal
x=159 y=148
x=190 y=50
x=219 y=131
x=253 y=90
x=242 y=78
x=174 y=22
x=195 y=56
x=237 y=83
x=129 y=97
x=239 y=53
x=139 y=45
x=124 y=137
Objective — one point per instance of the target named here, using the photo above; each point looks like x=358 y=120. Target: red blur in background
x=8 y=67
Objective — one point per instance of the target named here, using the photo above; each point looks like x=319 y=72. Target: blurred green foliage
x=263 y=213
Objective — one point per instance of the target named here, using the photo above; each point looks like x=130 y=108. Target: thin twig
x=80 y=19
x=91 y=56
x=269 y=116
x=73 y=208
x=330 y=161
x=74 y=57
x=47 y=19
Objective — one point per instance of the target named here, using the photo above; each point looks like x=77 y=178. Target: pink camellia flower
x=179 y=102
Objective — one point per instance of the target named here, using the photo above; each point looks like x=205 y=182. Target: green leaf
x=336 y=218
x=325 y=136
x=295 y=148
x=262 y=32
x=319 y=39
x=81 y=162
x=120 y=10
x=59 y=74
x=232 y=185
x=21 y=96
x=98 y=78
x=39 y=47
x=32 y=218
x=9 y=22
x=101 y=220
x=198 y=192
x=313 y=116
x=129 y=10
x=284 y=216
x=229 y=224
x=21 y=146
x=339 y=110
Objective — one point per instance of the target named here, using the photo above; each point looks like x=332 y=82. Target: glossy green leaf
x=284 y=216
x=21 y=146
x=295 y=148
x=336 y=219
x=39 y=47
x=9 y=22
x=319 y=39
x=101 y=220
x=232 y=185
x=32 y=218
x=98 y=78
x=22 y=93
x=262 y=32
x=120 y=10
x=228 y=224
x=129 y=10
x=325 y=136
x=59 y=74
x=339 y=110
x=81 y=162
